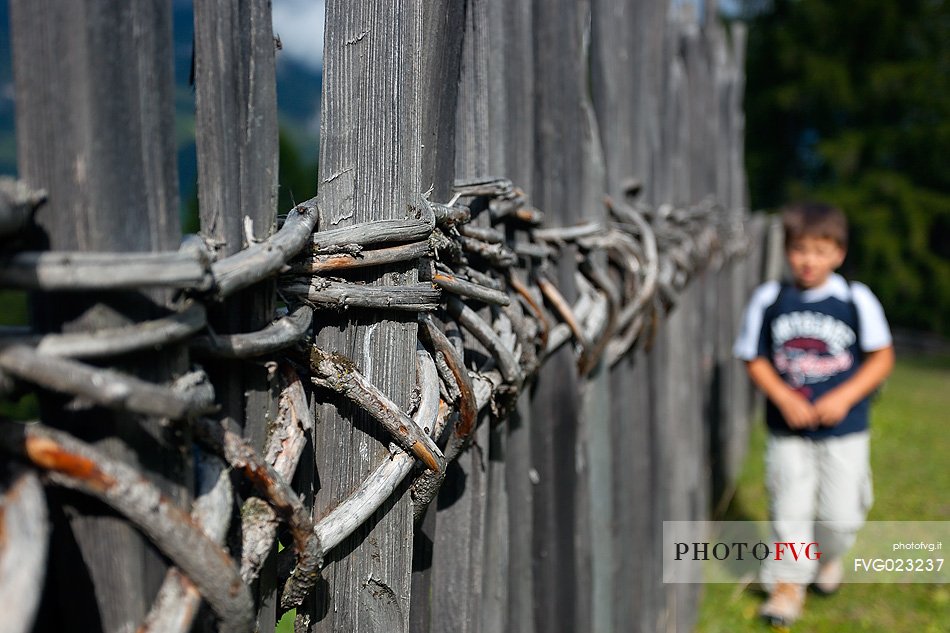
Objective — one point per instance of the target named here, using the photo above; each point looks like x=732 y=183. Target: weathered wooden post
x=95 y=129
x=552 y=519
x=626 y=48
x=734 y=388
x=674 y=423
x=460 y=535
x=444 y=23
x=236 y=137
x=370 y=169
x=566 y=173
x=518 y=148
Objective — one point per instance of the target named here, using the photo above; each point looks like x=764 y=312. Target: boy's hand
x=798 y=412
x=834 y=405
x=832 y=408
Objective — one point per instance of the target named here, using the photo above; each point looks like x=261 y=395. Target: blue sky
x=299 y=23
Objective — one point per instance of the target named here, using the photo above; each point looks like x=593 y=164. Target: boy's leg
x=792 y=482
x=844 y=492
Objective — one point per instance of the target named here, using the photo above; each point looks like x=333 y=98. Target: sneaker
x=829 y=577
x=784 y=605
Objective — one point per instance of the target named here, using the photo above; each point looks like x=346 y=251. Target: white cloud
x=299 y=24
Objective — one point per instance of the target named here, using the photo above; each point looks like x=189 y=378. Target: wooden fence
x=530 y=236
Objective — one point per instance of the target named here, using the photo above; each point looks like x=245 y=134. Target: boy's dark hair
x=814 y=219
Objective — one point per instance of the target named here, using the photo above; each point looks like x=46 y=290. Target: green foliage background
x=849 y=102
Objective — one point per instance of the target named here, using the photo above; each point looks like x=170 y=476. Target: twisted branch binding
x=650 y=254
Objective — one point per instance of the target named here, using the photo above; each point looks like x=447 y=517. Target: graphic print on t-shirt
x=815 y=339
x=810 y=347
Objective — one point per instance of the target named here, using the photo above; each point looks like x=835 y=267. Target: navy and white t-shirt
x=815 y=340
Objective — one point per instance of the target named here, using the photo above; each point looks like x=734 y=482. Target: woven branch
x=602 y=281
x=561 y=307
x=483 y=233
x=467 y=317
x=344 y=295
x=120 y=340
x=321 y=264
x=280 y=496
x=383 y=481
x=488 y=187
x=24 y=544
x=497 y=255
x=280 y=334
x=450 y=215
x=74 y=464
x=105 y=271
x=267 y=258
x=382 y=231
x=176 y=605
x=288 y=437
x=104 y=387
x=569 y=233
x=464 y=288
x=339 y=374
x=456 y=365
x=616 y=350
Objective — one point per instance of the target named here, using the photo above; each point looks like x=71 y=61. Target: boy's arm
x=834 y=405
x=798 y=412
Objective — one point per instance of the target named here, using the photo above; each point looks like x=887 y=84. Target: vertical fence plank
x=563 y=151
x=444 y=26
x=737 y=391
x=99 y=137
x=462 y=502
x=595 y=508
x=626 y=85
x=236 y=140
x=555 y=401
x=680 y=185
x=518 y=155
x=616 y=63
x=496 y=583
x=370 y=169
x=567 y=99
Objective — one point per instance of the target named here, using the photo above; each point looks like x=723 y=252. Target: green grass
x=910 y=443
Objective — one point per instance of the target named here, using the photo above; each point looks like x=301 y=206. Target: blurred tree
x=297 y=179
x=849 y=102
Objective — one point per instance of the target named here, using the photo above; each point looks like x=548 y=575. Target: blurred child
x=817 y=347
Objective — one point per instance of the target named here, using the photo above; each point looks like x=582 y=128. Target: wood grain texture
x=458 y=556
x=236 y=141
x=370 y=160
x=517 y=50
x=567 y=100
x=98 y=136
x=444 y=21
x=565 y=162
x=625 y=90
